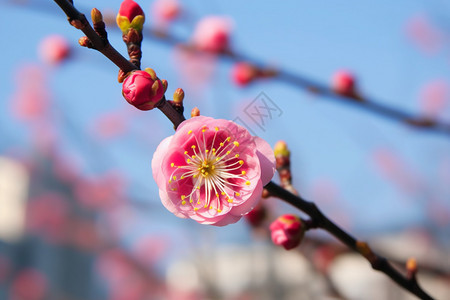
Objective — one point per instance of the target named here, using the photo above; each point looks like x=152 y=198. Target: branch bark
x=319 y=220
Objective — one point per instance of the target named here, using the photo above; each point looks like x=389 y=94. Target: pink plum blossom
x=212 y=171
x=166 y=10
x=424 y=34
x=434 y=98
x=143 y=89
x=212 y=34
x=287 y=231
x=54 y=49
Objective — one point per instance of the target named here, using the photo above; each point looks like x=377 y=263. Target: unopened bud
x=195 y=112
x=84 y=41
x=130 y=15
x=96 y=16
x=343 y=83
x=287 y=231
x=243 y=73
x=165 y=84
x=411 y=265
x=178 y=95
x=257 y=215
x=281 y=149
x=142 y=91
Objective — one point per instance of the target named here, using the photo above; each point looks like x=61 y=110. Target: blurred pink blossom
x=212 y=34
x=102 y=192
x=195 y=69
x=109 y=125
x=243 y=73
x=114 y=267
x=257 y=216
x=166 y=11
x=150 y=249
x=54 y=49
x=29 y=284
x=30 y=99
x=47 y=216
x=395 y=169
x=423 y=34
x=212 y=171
x=434 y=98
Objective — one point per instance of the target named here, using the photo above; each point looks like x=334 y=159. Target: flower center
x=213 y=169
x=207 y=168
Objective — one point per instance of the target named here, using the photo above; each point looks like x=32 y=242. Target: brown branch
x=79 y=21
x=101 y=44
x=319 y=220
x=369 y=104
x=300 y=81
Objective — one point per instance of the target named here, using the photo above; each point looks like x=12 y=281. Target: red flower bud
x=256 y=216
x=143 y=89
x=243 y=73
x=130 y=15
x=344 y=83
x=130 y=9
x=287 y=231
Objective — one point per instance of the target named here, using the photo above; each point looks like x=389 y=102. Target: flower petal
x=250 y=203
x=266 y=160
x=170 y=205
x=158 y=156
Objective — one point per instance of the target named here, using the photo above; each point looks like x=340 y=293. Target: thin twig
x=319 y=220
x=366 y=103
x=101 y=44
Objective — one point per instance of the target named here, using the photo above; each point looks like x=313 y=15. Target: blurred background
x=80 y=216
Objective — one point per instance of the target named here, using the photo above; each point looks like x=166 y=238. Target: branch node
x=78 y=23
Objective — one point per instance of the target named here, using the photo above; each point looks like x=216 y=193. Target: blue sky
x=330 y=141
